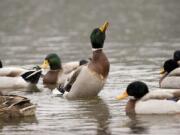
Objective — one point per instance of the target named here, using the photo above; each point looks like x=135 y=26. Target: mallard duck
x=176 y=56
x=15 y=106
x=26 y=80
x=154 y=102
x=11 y=71
x=57 y=73
x=88 y=80
x=170 y=75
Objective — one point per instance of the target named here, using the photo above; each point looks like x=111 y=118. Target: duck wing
x=70 y=66
x=12 y=100
x=15 y=106
x=162 y=94
x=72 y=79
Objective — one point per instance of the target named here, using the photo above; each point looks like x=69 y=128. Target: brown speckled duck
x=15 y=106
x=88 y=80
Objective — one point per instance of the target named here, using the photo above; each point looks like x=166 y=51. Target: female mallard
x=88 y=80
x=171 y=75
x=15 y=106
x=154 y=102
x=57 y=72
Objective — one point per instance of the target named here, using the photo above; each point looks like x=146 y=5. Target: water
x=142 y=34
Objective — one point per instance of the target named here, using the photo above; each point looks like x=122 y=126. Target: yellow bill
x=104 y=27
x=122 y=96
x=162 y=71
x=45 y=64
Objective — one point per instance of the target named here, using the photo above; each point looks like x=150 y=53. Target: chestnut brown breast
x=51 y=77
x=130 y=107
x=99 y=63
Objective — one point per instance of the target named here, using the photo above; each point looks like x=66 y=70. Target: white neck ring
x=96 y=49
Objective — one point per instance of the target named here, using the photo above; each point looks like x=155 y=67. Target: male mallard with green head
x=171 y=72
x=53 y=63
x=57 y=73
x=154 y=102
x=88 y=80
x=170 y=75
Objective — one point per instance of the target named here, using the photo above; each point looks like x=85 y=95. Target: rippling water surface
x=142 y=34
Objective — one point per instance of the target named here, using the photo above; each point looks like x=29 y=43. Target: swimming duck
x=88 y=80
x=27 y=80
x=15 y=106
x=171 y=75
x=154 y=102
x=57 y=73
x=176 y=56
x=11 y=71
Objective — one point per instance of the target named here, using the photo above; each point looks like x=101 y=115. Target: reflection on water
x=136 y=127
x=97 y=110
x=142 y=34
x=9 y=123
x=142 y=124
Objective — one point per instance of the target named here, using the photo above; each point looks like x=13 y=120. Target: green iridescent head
x=135 y=89
x=52 y=61
x=98 y=36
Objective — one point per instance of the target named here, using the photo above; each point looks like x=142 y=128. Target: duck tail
x=32 y=76
x=1 y=65
x=83 y=62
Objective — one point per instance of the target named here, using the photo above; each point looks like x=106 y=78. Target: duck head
x=52 y=61
x=135 y=89
x=169 y=65
x=176 y=56
x=98 y=36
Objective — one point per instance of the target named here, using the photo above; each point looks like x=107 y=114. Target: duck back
x=172 y=80
x=154 y=106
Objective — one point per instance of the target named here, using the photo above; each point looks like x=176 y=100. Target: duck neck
x=51 y=77
x=99 y=62
x=96 y=49
x=130 y=107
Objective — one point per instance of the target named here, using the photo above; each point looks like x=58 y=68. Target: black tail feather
x=32 y=76
x=1 y=65
x=83 y=62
